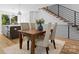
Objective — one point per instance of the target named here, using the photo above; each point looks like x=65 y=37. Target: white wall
x=50 y=18
x=4 y=12
x=72 y=6
x=14 y=8
x=0 y=25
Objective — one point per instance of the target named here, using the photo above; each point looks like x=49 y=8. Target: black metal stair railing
x=77 y=18
x=54 y=9
x=66 y=14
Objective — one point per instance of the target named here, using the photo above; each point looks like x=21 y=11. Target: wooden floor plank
x=71 y=46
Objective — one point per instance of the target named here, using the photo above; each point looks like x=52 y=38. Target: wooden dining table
x=32 y=34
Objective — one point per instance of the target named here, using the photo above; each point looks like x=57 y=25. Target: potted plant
x=39 y=23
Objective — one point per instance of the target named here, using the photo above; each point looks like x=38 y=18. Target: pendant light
x=19 y=12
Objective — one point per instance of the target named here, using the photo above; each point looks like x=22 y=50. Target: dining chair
x=45 y=42
x=52 y=36
x=33 y=25
x=24 y=27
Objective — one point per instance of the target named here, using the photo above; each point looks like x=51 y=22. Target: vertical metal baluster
x=68 y=30
x=58 y=10
x=74 y=19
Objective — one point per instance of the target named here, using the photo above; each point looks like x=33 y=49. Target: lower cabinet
x=11 y=31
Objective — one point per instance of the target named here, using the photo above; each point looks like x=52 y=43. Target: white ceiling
x=22 y=7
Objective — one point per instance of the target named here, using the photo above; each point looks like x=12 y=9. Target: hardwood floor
x=5 y=42
x=70 y=47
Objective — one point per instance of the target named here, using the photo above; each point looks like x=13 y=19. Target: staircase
x=73 y=28
x=53 y=14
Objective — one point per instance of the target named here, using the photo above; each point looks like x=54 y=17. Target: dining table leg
x=32 y=44
x=21 y=40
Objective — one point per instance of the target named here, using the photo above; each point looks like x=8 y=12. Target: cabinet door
x=13 y=31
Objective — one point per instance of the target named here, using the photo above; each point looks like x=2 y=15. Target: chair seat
x=26 y=38
x=40 y=42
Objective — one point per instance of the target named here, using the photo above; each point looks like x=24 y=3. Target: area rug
x=38 y=50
